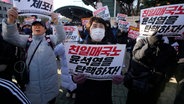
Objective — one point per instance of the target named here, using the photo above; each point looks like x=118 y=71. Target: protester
x=7 y=58
x=43 y=86
x=179 y=99
x=137 y=23
x=82 y=33
x=11 y=94
x=66 y=79
x=115 y=30
x=122 y=38
x=152 y=65
x=26 y=29
x=110 y=34
x=91 y=91
x=131 y=42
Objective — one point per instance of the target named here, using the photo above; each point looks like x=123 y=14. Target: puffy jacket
x=66 y=78
x=43 y=85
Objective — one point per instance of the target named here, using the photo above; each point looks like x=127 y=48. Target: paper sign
x=167 y=20
x=34 y=7
x=98 y=62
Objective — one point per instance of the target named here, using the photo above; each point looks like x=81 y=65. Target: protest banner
x=121 y=16
x=102 y=12
x=72 y=34
x=123 y=24
x=166 y=20
x=34 y=7
x=133 y=32
x=98 y=62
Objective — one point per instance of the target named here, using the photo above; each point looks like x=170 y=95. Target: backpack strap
x=47 y=37
x=29 y=40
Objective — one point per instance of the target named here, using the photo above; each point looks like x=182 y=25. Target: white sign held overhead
x=34 y=7
x=71 y=33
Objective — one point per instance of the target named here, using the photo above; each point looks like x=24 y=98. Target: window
x=1 y=15
x=4 y=15
x=4 y=8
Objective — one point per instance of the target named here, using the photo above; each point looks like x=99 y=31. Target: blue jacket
x=43 y=85
x=66 y=78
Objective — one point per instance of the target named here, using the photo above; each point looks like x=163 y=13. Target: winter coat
x=7 y=58
x=94 y=91
x=151 y=67
x=161 y=58
x=43 y=85
x=66 y=79
x=11 y=94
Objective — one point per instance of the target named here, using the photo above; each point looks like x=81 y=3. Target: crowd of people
x=152 y=62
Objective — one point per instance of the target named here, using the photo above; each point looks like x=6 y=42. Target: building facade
x=3 y=9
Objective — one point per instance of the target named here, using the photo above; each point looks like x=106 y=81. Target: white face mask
x=97 y=34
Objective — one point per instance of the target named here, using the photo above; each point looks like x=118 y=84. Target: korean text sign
x=123 y=24
x=98 y=62
x=71 y=33
x=34 y=7
x=121 y=16
x=133 y=32
x=102 y=12
x=167 y=20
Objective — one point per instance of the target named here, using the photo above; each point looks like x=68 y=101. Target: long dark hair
x=105 y=40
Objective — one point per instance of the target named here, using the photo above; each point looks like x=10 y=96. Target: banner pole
x=114 y=8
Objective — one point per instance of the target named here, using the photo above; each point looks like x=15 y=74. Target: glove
x=117 y=79
x=154 y=40
x=79 y=78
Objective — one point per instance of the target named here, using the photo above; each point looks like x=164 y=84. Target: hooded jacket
x=66 y=78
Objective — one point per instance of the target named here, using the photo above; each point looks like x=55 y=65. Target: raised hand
x=12 y=15
x=54 y=17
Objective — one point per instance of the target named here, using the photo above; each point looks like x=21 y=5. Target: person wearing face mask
x=115 y=30
x=27 y=29
x=91 y=91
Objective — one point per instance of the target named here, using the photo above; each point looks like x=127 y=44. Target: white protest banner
x=71 y=33
x=98 y=62
x=133 y=32
x=102 y=12
x=123 y=24
x=121 y=16
x=34 y=7
x=167 y=20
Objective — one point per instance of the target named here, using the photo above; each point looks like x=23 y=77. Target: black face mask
x=27 y=31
